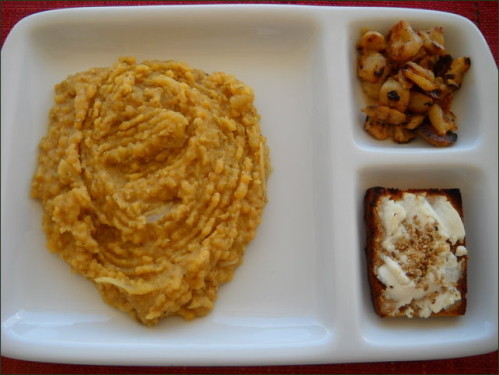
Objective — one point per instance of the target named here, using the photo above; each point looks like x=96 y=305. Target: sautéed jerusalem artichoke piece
x=410 y=79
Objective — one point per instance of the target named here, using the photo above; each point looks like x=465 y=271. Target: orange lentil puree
x=152 y=178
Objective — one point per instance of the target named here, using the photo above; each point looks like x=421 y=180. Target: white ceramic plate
x=302 y=294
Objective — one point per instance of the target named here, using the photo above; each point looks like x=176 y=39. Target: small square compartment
x=470 y=100
x=434 y=332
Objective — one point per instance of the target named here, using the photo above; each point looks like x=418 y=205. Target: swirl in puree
x=152 y=178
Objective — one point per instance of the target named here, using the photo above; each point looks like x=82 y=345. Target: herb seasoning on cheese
x=416 y=252
x=419 y=232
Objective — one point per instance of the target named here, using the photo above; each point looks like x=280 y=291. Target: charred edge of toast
x=374 y=239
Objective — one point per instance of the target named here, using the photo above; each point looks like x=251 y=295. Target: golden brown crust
x=428 y=133
x=374 y=238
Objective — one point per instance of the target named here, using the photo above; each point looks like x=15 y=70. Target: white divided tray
x=301 y=295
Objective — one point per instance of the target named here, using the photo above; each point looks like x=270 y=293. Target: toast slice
x=416 y=252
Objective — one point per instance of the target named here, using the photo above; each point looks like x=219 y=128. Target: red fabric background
x=483 y=13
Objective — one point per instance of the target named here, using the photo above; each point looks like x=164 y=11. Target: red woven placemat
x=483 y=13
x=481 y=364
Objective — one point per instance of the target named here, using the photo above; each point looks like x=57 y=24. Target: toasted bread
x=416 y=254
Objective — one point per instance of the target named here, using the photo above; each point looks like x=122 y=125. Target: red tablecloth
x=483 y=13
